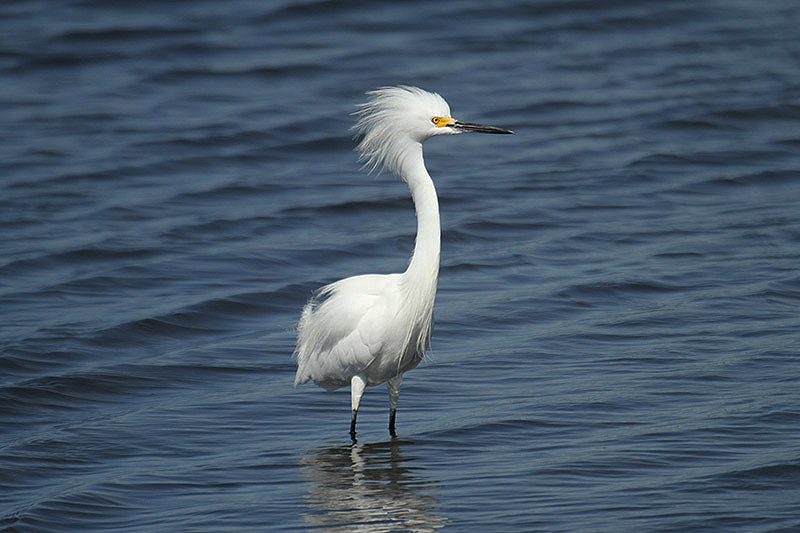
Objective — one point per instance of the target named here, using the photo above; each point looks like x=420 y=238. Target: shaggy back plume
x=392 y=120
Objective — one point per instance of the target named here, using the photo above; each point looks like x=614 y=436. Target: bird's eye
x=435 y=120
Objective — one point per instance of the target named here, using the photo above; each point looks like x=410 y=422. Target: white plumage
x=370 y=329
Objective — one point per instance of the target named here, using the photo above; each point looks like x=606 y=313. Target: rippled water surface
x=618 y=315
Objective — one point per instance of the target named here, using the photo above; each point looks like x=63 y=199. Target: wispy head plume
x=392 y=120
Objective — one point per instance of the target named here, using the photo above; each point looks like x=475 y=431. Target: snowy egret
x=370 y=329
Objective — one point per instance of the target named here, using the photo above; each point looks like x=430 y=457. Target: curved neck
x=424 y=265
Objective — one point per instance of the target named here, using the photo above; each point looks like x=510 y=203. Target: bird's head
x=395 y=118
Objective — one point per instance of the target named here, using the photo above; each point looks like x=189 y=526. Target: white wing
x=341 y=334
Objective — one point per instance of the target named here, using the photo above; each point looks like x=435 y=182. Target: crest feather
x=392 y=120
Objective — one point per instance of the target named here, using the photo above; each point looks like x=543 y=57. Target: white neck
x=423 y=270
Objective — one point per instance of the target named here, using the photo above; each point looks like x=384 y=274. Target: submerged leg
x=394 y=394
x=357 y=384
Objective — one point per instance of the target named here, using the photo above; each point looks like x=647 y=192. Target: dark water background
x=618 y=320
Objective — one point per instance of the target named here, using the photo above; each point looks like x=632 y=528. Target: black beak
x=478 y=128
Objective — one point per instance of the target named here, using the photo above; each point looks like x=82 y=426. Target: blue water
x=617 y=341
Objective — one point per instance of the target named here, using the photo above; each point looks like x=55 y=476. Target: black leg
x=353 y=425
x=392 y=413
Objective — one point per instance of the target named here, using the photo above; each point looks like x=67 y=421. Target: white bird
x=370 y=329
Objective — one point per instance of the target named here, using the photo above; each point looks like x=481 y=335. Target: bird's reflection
x=368 y=487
